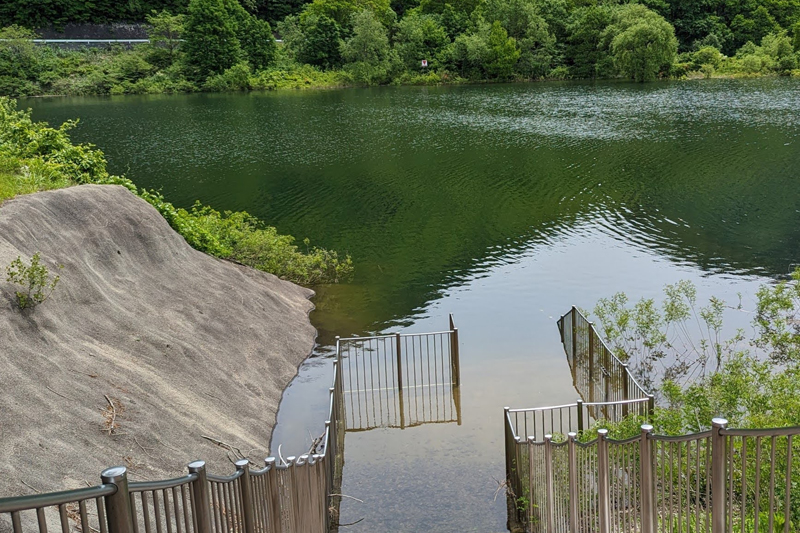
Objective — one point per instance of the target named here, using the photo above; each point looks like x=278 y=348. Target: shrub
x=35 y=280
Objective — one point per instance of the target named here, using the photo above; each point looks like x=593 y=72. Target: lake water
x=501 y=204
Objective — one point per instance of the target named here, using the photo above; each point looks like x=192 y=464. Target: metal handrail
x=35 y=501
x=142 y=486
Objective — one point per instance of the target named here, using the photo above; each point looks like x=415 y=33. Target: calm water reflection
x=501 y=204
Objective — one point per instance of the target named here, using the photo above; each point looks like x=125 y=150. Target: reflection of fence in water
x=401 y=380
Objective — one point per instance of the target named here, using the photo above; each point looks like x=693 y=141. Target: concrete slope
x=181 y=343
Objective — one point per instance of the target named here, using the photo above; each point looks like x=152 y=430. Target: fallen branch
x=346 y=496
x=110 y=427
x=237 y=453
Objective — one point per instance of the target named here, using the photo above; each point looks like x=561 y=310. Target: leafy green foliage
x=211 y=45
x=419 y=37
x=642 y=43
x=367 y=53
x=34 y=279
x=320 y=42
x=752 y=382
x=35 y=157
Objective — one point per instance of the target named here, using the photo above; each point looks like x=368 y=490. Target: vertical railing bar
x=186 y=507
x=772 y=485
x=177 y=508
x=788 y=488
x=84 y=525
x=157 y=512
x=758 y=485
x=41 y=519
x=62 y=513
x=145 y=513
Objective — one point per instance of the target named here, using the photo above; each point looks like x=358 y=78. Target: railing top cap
x=602 y=432
x=719 y=422
x=196 y=465
x=647 y=427
x=241 y=464
x=113 y=474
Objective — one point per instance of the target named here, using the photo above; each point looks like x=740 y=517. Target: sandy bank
x=184 y=344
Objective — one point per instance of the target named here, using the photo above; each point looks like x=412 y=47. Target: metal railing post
x=200 y=500
x=246 y=493
x=718 y=475
x=651 y=406
x=646 y=481
x=118 y=505
x=574 y=336
x=603 y=487
x=573 y=482
x=456 y=362
x=591 y=363
x=625 y=388
x=548 y=472
x=400 y=382
x=580 y=415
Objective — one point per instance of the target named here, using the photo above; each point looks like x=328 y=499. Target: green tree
x=166 y=31
x=321 y=42
x=257 y=42
x=522 y=21
x=585 y=53
x=753 y=26
x=367 y=51
x=342 y=11
x=487 y=52
x=211 y=44
x=642 y=42
x=419 y=36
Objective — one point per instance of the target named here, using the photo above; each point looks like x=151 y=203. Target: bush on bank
x=35 y=157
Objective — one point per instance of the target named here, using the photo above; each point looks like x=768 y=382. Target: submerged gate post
x=400 y=381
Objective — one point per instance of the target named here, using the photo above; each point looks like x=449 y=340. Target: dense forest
x=219 y=45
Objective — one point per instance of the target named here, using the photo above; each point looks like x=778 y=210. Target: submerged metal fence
x=604 y=383
x=717 y=481
x=401 y=380
x=295 y=495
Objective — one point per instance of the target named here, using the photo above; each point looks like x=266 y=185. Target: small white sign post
x=424 y=63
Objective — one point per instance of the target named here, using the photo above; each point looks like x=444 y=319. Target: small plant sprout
x=35 y=281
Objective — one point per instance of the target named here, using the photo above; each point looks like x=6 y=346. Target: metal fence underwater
x=295 y=495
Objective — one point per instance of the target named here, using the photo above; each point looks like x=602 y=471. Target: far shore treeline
x=229 y=45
